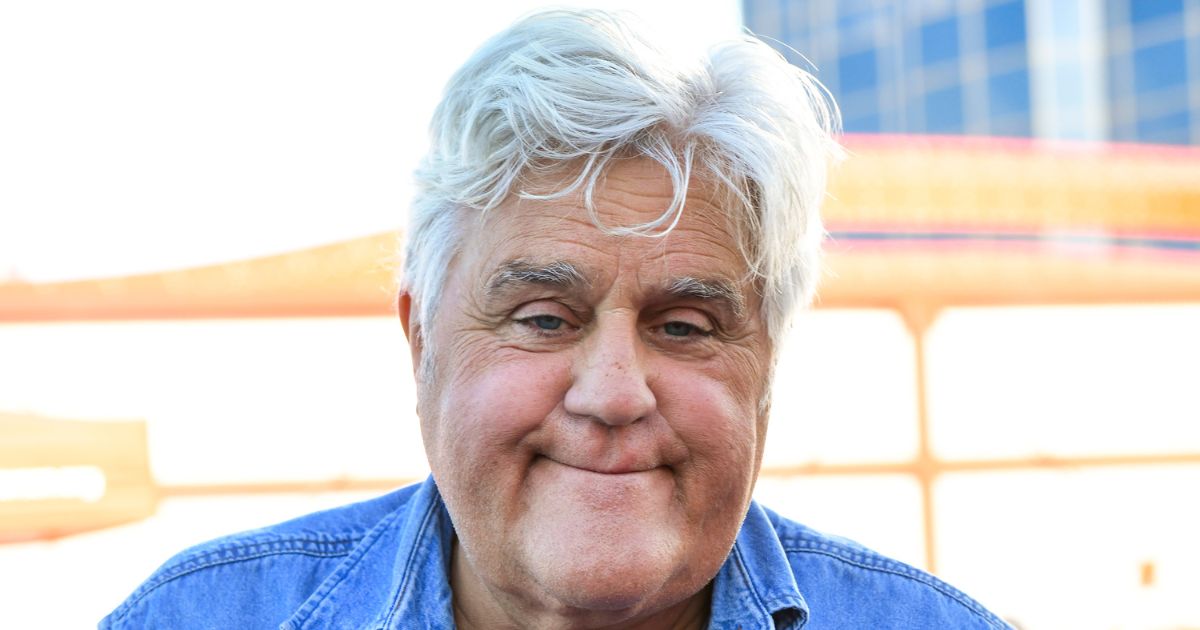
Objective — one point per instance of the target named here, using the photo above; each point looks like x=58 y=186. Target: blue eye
x=546 y=322
x=679 y=329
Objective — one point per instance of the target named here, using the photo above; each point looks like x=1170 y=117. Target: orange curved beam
x=914 y=220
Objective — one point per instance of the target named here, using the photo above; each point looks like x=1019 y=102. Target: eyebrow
x=560 y=274
x=516 y=273
x=709 y=290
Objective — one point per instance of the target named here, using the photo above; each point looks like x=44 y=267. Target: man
x=604 y=252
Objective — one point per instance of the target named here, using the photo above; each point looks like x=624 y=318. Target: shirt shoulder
x=847 y=585
x=255 y=578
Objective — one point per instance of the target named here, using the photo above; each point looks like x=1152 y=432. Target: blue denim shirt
x=384 y=563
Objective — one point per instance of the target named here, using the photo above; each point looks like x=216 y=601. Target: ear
x=412 y=330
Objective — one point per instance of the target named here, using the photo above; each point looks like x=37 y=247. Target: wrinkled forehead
x=633 y=197
x=559 y=243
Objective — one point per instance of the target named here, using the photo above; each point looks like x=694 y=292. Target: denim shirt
x=384 y=563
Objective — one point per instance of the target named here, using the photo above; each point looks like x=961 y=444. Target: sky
x=140 y=136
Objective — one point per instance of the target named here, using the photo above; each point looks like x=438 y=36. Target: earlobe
x=412 y=329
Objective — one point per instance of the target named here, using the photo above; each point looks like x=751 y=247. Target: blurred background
x=1000 y=383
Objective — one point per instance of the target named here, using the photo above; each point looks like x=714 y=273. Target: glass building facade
x=1122 y=70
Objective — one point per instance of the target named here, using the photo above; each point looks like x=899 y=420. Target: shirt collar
x=756 y=588
x=400 y=572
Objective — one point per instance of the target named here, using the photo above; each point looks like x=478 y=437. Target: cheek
x=490 y=404
x=719 y=426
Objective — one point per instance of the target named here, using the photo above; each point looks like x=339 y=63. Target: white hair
x=569 y=89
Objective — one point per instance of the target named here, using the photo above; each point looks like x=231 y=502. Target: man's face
x=592 y=415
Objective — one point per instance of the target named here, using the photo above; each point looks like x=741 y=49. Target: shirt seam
x=408 y=563
x=208 y=561
x=751 y=586
x=356 y=554
x=909 y=573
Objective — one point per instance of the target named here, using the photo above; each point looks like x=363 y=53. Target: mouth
x=614 y=469
x=620 y=488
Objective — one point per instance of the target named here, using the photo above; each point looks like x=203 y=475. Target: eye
x=544 y=319
x=545 y=322
x=678 y=329
x=682 y=329
x=542 y=324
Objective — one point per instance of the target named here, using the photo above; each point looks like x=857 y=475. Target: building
x=1118 y=70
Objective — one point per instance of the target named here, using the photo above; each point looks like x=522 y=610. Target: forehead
x=702 y=243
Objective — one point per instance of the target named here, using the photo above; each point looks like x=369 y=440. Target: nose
x=609 y=384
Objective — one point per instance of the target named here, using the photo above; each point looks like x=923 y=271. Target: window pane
x=944 y=111
x=1145 y=10
x=1066 y=381
x=1005 y=24
x=857 y=71
x=939 y=40
x=818 y=411
x=1172 y=129
x=863 y=124
x=1009 y=93
x=1157 y=67
x=1012 y=126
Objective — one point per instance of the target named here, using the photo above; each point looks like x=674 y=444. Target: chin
x=626 y=577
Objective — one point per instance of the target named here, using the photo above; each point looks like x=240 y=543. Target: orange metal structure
x=936 y=222
x=115 y=451
x=917 y=225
